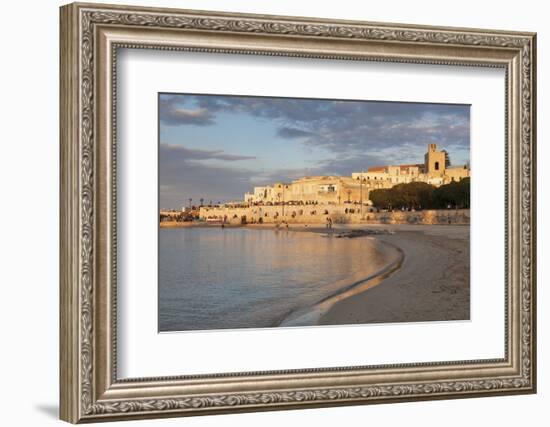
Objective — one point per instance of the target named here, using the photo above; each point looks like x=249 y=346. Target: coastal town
x=409 y=193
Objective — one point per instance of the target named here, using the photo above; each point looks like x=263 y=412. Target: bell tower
x=434 y=161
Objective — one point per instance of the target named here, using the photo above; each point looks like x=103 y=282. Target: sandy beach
x=431 y=284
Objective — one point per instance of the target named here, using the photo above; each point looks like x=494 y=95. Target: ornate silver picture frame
x=91 y=36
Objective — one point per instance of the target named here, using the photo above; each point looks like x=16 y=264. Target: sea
x=213 y=278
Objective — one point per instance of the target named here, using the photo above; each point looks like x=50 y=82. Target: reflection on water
x=213 y=278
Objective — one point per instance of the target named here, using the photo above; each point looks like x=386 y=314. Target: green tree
x=412 y=195
x=420 y=195
x=381 y=198
x=453 y=195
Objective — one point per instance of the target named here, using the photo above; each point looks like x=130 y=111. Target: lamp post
x=361 y=194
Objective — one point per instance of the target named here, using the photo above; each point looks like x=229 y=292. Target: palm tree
x=202 y=200
x=190 y=201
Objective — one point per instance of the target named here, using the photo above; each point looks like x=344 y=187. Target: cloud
x=336 y=125
x=184 y=173
x=196 y=181
x=172 y=113
x=181 y=116
x=345 y=165
x=288 y=132
x=185 y=154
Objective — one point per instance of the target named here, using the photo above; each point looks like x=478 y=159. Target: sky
x=217 y=147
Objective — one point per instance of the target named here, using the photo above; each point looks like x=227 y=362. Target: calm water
x=213 y=278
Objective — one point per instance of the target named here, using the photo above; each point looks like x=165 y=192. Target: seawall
x=339 y=214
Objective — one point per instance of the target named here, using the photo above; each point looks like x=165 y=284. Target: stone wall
x=318 y=214
x=441 y=216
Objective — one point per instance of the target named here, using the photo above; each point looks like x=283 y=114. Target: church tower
x=434 y=161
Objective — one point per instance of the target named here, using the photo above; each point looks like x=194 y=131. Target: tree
x=447 y=159
x=454 y=194
x=381 y=198
x=420 y=195
x=412 y=195
x=416 y=195
x=201 y=200
x=190 y=201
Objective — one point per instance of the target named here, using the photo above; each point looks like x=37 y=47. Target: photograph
x=268 y=209
x=293 y=212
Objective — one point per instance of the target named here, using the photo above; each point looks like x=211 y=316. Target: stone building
x=355 y=189
x=434 y=161
x=311 y=190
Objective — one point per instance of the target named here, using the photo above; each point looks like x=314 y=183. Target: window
x=436 y=166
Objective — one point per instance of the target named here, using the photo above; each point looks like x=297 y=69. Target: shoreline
x=432 y=283
x=312 y=315
x=313 y=226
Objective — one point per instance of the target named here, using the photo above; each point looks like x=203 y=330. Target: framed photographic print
x=265 y=212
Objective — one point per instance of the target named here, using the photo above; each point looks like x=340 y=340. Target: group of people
x=284 y=224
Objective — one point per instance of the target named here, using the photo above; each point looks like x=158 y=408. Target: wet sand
x=432 y=283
